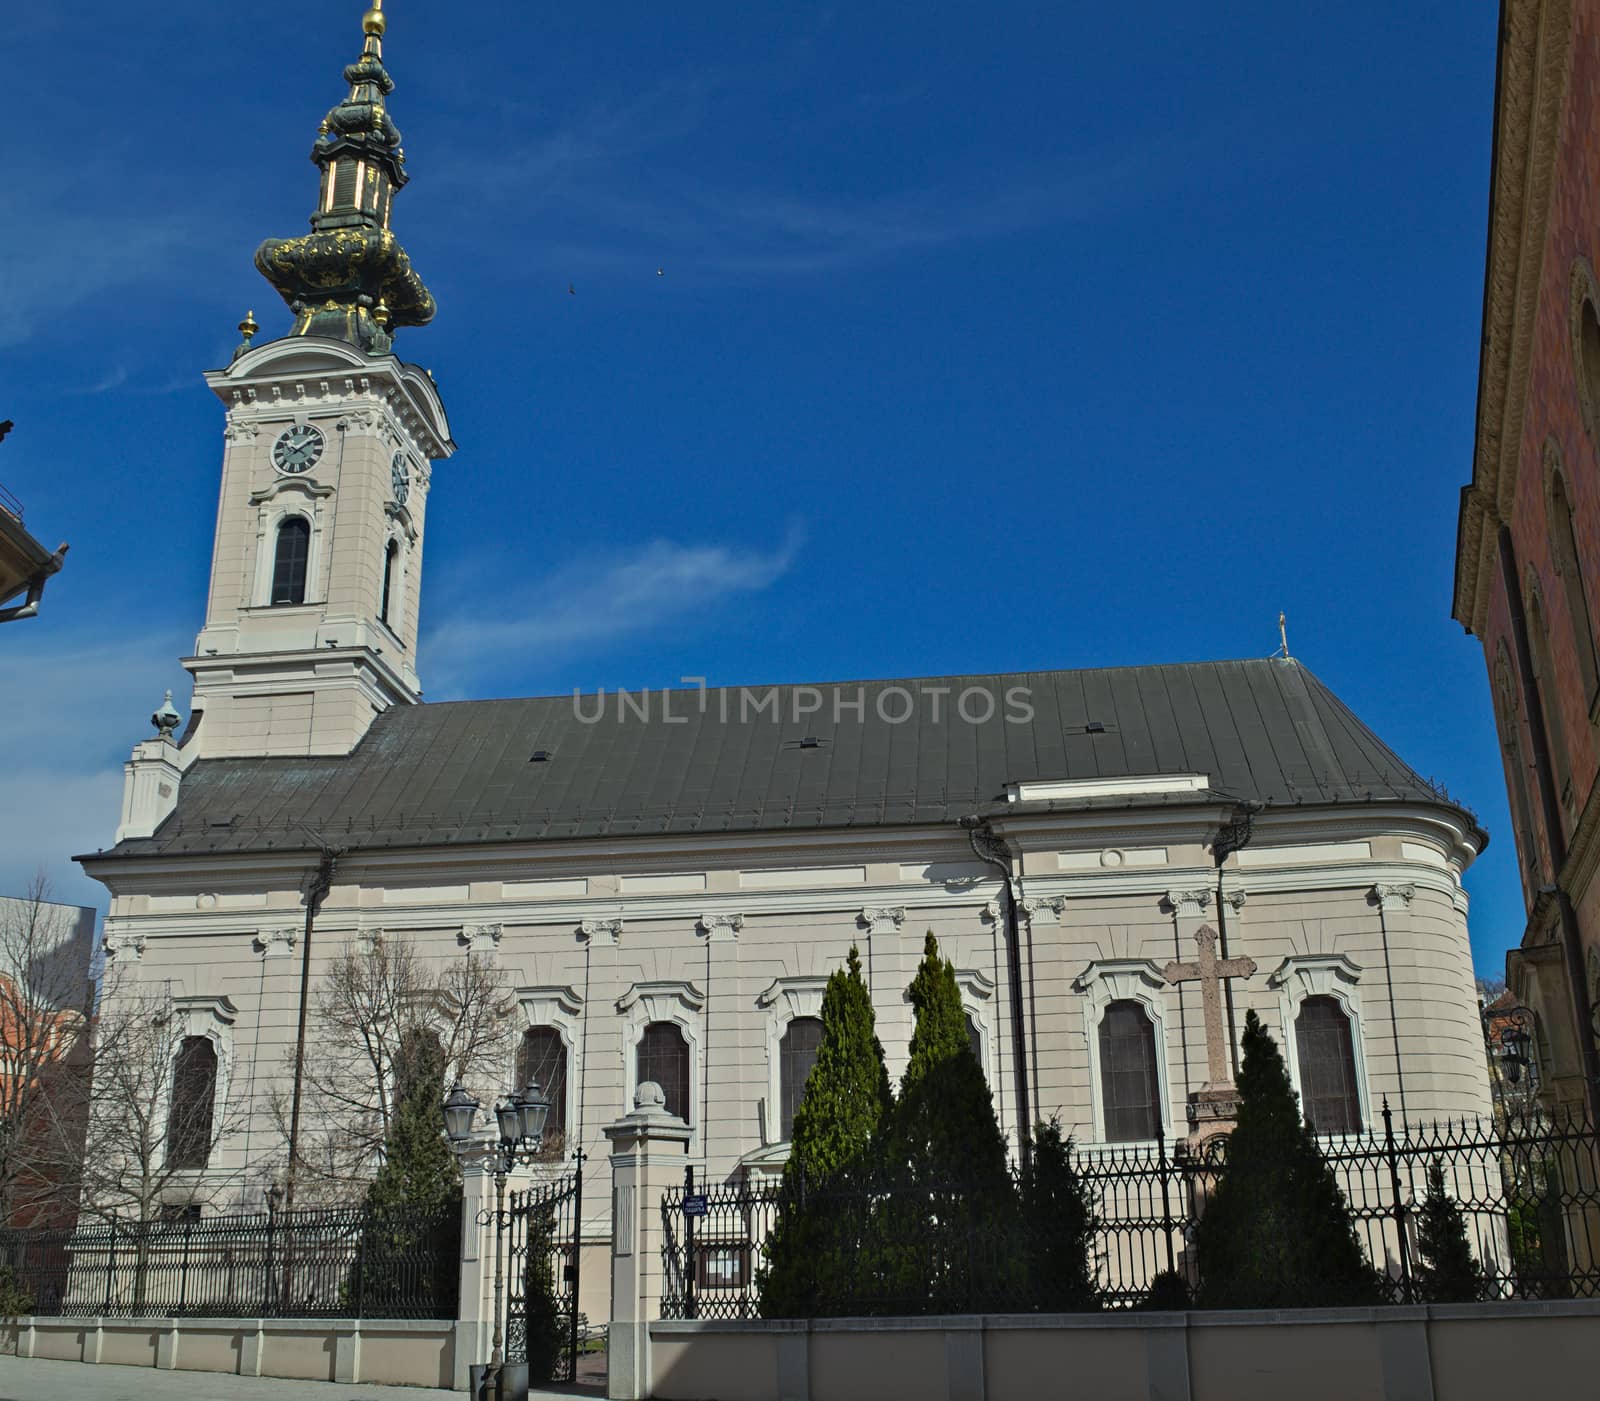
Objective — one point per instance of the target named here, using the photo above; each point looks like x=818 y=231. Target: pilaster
x=890 y=967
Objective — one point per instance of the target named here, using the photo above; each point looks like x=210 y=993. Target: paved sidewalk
x=22 y=1379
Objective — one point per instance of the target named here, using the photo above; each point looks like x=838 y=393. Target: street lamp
x=520 y=1119
x=1508 y=1039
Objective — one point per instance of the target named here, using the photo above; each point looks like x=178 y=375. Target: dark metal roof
x=460 y=772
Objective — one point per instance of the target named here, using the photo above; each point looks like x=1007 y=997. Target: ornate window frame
x=784 y=1000
x=1583 y=291
x=1123 y=980
x=664 y=1001
x=977 y=1001
x=289 y=496
x=1323 y=975
x=560 y=1007
x=210 y=1017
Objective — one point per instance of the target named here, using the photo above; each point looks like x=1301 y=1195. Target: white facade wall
x=731 y=935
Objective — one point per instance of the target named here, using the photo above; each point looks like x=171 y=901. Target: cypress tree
x=410 y=1247
x=1277 y=1231
x=945 y=1239
x=1057 y=1215
x=847 y=1093
x=812 y=1258
x=1446 y=1271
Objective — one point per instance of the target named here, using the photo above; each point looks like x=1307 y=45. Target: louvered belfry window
x=543 y=1057
x=664 y=1058
x=796 y=1056
x=289 y=561
x=1326 y=1053
x=194 y=1089
x=1129 y=1086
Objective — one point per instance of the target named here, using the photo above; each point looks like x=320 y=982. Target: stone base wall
x=1467 y=1352
x=401 y=1352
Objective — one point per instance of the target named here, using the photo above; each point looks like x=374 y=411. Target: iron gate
x=543 y=1232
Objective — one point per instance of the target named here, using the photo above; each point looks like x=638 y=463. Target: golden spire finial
x=373 y=22
x=248 y=326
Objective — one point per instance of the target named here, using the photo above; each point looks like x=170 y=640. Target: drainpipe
x=1549 y=800
x=316 y=893
x=989 y=849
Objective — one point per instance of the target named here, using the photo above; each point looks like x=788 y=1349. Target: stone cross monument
x=1213 y=1107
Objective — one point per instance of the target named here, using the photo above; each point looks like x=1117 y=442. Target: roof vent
x=810 y=742
x=540 y=756
x=1094 y=727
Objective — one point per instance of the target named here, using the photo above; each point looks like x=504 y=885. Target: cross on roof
x=1209 y=971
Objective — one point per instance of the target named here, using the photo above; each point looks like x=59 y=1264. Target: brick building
x=1528 y=556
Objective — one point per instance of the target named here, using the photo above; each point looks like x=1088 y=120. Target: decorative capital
x=1234 y=898
x=1391 y=898
x=276 y=943
x=607 y=931
x=890 y=917
x=990 y=911
x=721 y=927
x=481 y=938
x=1044 y=904
x=118 y=945
x=1191 y=904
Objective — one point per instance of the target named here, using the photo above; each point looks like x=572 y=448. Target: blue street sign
x=694 y=1206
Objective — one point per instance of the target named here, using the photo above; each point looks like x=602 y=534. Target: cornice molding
x=1534 y=68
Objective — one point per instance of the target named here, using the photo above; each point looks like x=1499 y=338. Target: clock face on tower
x=400 y=475
x=297 y=448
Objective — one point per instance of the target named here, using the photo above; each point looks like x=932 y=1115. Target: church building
x=663 y=881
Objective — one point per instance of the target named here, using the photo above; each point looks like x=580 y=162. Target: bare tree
x=367 y=1012
x=158 y=1108
x=46 y=996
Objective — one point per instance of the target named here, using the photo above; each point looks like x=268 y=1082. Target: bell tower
x=329 y=446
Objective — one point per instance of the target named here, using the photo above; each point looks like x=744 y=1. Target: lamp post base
x=491 y=1381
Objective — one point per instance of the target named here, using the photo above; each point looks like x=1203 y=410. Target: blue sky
x=983 y=338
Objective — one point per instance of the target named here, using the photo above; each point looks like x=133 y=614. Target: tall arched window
x=797 y=1053
x=194 y=1090
x=974 y=1039
x=542 y=1056
x=1328 y=1096
x=289 y=562
x=1129 y=1087
x=664 y=1058
x=391 y=562
x=1509 y=714
x=1564 y=548
x=1544 y=674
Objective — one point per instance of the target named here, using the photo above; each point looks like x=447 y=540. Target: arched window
x=974 y=1039
x=797 y=1053
x=542 y=1056
x=289 y=562
x=1328 y=1097
x=1509 y=714
x=391 y=562
x=1129 y=1086
x=194 y=1089
x=1564 y=548
x=664 y=1058
x=1544 y=674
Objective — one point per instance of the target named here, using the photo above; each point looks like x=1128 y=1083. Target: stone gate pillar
x=648 y=1149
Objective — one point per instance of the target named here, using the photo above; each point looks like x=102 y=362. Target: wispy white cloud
x=619 y=186
x=578 y=607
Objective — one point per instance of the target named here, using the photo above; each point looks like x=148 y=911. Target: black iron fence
x=343 y=1263
x=1528 y=1190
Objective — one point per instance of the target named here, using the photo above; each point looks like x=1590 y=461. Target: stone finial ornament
x=650 y=1095
x=166 y=719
